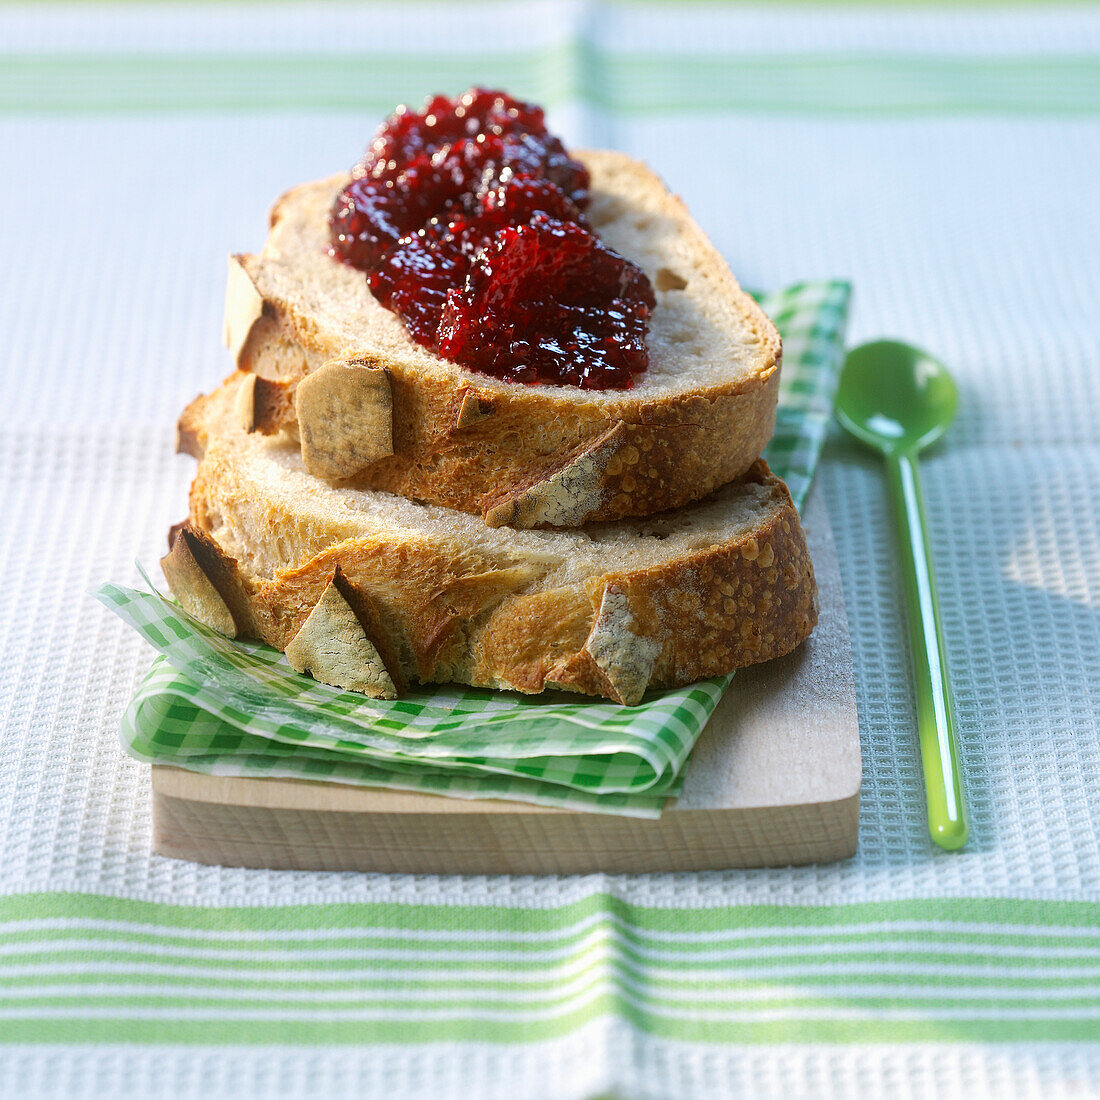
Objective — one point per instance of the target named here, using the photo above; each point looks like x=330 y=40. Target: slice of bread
x=520 y=455
x=608 y=609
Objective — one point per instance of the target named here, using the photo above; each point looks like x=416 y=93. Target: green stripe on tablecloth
x=1020 y=990
x=116 y=969
x=168 y=1025
x=850 y=84
x=1025 y=916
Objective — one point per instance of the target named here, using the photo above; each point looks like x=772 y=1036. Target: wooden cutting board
x=774 y=780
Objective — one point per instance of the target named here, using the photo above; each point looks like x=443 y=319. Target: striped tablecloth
x=942 y=159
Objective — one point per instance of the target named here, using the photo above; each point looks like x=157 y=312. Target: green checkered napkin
x=237 y=708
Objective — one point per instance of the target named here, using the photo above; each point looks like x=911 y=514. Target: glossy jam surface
x=467 y=218
x=549 y=302
x=415 y=276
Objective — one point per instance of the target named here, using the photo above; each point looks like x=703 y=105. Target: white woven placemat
x=972 y=231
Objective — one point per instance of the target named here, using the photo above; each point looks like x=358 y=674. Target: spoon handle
x=947 y=816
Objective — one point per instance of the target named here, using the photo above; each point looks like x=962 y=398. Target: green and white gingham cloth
x=237 y=708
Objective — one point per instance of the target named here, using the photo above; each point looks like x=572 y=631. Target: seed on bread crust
x=622 y=655
x=472 y=409
x=263 y=404
x=244 y=306
x=190 y=568
x=345 y=418
x=569 y=495
x=341 y=647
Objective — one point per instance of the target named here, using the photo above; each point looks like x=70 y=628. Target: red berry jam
x=521 y=139
x=467 y=219
x=550 y=302
x=414 y=277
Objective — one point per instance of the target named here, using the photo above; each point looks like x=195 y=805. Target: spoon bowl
x=895 y=397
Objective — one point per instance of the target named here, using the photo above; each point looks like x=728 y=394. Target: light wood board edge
x=502 y=843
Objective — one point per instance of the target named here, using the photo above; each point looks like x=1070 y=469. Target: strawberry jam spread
x=468 y=220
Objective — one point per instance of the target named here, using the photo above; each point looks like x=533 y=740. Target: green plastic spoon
x=898 y=399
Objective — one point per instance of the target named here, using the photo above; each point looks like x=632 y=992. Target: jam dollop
x=468 y=219
x=414 y=277
x=550 y=302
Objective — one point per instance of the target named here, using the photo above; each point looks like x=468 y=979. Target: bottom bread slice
x=608 y=609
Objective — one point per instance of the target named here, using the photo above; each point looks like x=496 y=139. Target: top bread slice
x=431 y=594
x=382 y=412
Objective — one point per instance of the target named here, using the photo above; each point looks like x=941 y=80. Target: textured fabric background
x=944 y=161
